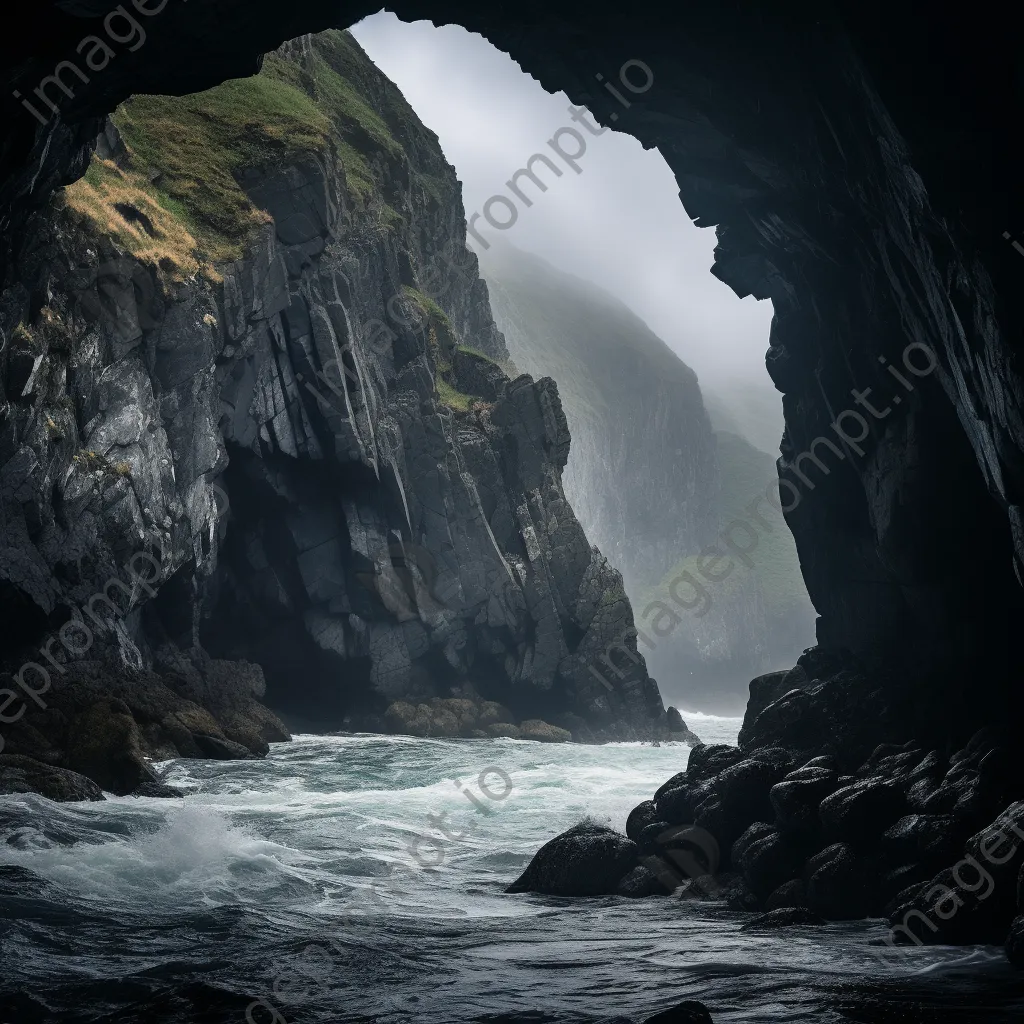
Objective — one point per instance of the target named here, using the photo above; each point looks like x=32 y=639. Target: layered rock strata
x=298 y=478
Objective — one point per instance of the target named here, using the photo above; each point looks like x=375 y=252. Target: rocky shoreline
x=798 y=824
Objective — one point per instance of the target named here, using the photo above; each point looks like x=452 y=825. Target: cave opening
x=675 y=423
x=411 y=555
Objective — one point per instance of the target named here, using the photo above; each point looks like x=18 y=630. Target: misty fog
x=618 y=223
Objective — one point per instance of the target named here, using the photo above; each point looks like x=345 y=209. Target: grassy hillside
x=176 y=201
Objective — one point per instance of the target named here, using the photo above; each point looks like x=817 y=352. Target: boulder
x=785 y=917
x=765 y=690
x=586 y=860
x=835 y=884
x=788 y=895
x=106 y=746
x=744 y=788
x=679 y=779
x=216 y=749
x=20 y=774
x=640 y=817
x=493 y=713
x=860 y=813
x=923 y=839
x=708 y=761
x=650 y=838
x=676 y=805
x=795 y=800
x=646 y=880
x=767 y=858
x=543 y=732
x=499 y=729
x=691 y=851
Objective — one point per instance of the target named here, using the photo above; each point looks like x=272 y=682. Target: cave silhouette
x=855 y=162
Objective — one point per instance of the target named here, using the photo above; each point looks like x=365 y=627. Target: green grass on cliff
x=187 y=153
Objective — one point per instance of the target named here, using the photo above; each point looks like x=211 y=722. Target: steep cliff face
x=655 y=486
x=642 y=474
x=251 y=370
x=837 y=151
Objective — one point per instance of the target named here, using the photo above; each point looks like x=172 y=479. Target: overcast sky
x=618 y=223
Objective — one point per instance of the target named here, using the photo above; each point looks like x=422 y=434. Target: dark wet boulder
x=690 y=1012
x=860 y=813
x=744 y=789
x=890 y=759
x=765 y=690
x=652 y=838
x=767 y=858
x=836 y=885
x=795 y=800
x=544 y=732
x=639 y=818
x=923 y=839
x=707 y=761
x=647 y=879
x=999 y=849
x=679 y=779
x=19 y=774
x=824 y=761
x=950 y=909
x=758 y=830
x=155 y=788
x=789 y=894
x=1015 y=943
x=106 y=745
x=722 y=821
x=677 y=805
x=784 y=917
x=217 y=748
x=967 y=793
x=586 y=860
x=888 y=882
x=793 y=720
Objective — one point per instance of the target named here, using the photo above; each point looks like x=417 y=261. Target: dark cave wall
x=867 y=234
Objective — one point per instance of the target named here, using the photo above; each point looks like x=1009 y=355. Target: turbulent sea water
x=318 y=885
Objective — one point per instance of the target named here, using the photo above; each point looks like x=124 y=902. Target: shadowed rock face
x=302 y=476
x=855 y=198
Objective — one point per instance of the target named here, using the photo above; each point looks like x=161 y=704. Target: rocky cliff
x=642 y=473
x=856 y=160
x=654 y=485
x=256 y=445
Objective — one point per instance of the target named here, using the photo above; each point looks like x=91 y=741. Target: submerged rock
x=690 y=1012
x=785 y=917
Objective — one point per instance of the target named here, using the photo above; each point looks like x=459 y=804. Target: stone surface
x=20 y=774
x=587 y=860
x=299 y=520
